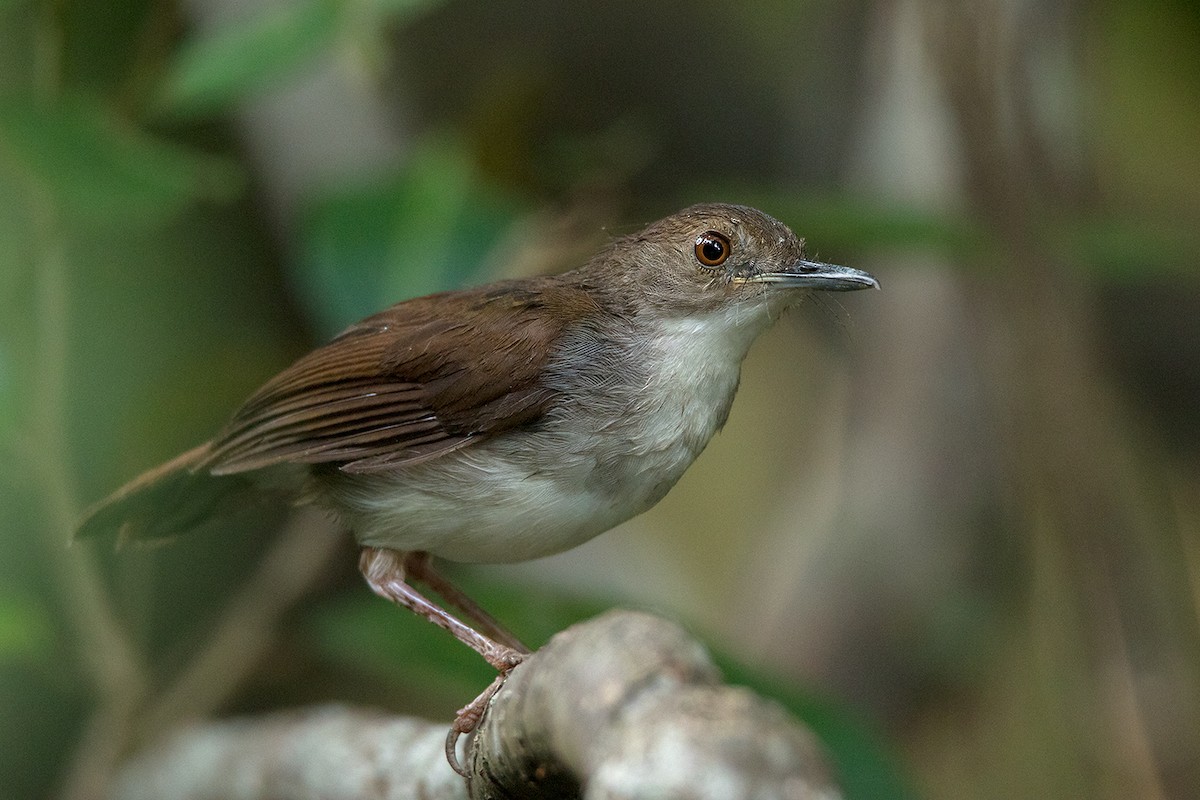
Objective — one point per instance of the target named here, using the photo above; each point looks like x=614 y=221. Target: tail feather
x=170 y=500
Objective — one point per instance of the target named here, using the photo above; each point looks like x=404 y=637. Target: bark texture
x=624 y=706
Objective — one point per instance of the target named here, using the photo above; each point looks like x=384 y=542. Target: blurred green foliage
x=150 y=279
x=424 y=229
x=212 y=72
x=25 y=631
x=100 y=169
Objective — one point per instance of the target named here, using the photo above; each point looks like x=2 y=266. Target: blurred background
x=954 y=525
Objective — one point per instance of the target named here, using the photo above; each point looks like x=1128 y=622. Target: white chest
x=687 y=398
x=610 y=453
x=631 y=440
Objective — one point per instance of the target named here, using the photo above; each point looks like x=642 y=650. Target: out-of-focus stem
x=109 y=658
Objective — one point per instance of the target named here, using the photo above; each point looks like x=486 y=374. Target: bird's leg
x=419 y=565
x=384 y=572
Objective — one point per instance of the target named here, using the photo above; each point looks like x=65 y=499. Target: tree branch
x=624 y=706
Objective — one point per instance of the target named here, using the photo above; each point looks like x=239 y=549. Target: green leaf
x=211 y=72
x=844 y=221
x=836 y=222
x=1122 y=249
x=96 y=165
x=25 y=630
x=423 y=230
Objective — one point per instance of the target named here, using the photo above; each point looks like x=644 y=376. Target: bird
x=503 y=422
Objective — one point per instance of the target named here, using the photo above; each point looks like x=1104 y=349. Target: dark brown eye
x=712 y=248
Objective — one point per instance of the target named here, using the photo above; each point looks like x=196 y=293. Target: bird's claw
x=470 y=715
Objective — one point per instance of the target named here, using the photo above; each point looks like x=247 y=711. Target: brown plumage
x=504 y=422
x=380 y=396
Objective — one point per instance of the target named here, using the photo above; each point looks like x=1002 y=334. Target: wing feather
x=406 y=385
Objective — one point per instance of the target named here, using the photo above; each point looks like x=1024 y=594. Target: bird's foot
x=470 y=715
x=501 y=657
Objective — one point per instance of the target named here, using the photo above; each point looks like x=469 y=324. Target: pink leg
x=384 y=571
x=420 y=567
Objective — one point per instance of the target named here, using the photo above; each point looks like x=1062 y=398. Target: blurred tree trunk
x=984 y=408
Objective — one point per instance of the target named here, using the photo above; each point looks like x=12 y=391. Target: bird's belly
x=528 y=493
x=482 y=507
x=486 y=510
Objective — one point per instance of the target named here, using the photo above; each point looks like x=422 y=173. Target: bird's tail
x=170 y=500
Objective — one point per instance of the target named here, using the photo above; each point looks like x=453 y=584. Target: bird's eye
x=712 y=248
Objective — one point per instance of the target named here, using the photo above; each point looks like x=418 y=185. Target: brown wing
x=423 y=378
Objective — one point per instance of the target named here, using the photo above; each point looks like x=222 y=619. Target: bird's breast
x=629 y=422
x=645 y=408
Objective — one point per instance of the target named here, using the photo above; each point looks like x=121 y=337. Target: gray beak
x=815 y=275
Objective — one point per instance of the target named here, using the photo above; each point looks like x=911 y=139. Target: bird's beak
x=815 y=275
